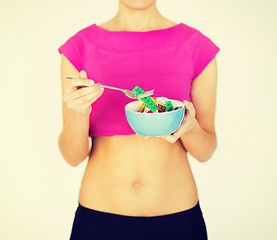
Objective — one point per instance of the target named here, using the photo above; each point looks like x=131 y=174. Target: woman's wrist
x=82 y=115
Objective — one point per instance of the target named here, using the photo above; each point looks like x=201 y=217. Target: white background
x=237 y=186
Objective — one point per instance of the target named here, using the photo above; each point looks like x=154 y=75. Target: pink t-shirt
x=166 y=60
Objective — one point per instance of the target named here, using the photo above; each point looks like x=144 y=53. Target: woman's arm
x=74 y=138
x=201 y=140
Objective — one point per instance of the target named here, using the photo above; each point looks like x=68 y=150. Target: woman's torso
x=129 y=175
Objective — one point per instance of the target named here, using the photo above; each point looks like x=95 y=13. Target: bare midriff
x=130 y=175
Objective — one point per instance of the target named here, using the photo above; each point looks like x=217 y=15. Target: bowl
x=154 y=124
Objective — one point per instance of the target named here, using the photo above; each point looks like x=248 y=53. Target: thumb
x=190 y=108
x=187 y=106
x=187 y=103
x=83 y=74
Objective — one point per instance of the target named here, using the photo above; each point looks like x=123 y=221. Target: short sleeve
x=72 y=50
x=203 y=52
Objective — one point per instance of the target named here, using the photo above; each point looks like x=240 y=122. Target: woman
x=135 y=188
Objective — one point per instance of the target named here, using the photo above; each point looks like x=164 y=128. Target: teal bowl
x=154 y=124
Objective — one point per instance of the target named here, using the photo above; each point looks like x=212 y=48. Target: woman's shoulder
x=86 y=30
x=194 y=35
x=191 y=31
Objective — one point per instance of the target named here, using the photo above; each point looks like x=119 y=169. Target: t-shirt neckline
x=138 y=32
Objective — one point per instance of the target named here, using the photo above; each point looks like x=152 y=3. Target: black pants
x=90 y=224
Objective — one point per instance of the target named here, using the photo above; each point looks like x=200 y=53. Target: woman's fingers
x=81 y=92
x=89 y=102
x=146 y=137
x=91 y=97
x=82 y=82
x=76 y=83
x=190 y=111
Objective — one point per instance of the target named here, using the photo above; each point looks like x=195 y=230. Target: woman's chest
x=168 y=71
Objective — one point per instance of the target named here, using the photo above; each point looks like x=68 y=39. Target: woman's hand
x=187 y=124
x=80 y=93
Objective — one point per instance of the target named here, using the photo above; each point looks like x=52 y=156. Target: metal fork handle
x=115 y=88
x=123 y=90
x=101 y=85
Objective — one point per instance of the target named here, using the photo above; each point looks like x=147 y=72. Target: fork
x=128 y=93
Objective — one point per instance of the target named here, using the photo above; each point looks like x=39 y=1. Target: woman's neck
x=144 y=19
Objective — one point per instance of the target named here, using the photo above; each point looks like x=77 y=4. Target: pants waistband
x=105 y=219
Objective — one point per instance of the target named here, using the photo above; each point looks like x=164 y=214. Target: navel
x=136 y=184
